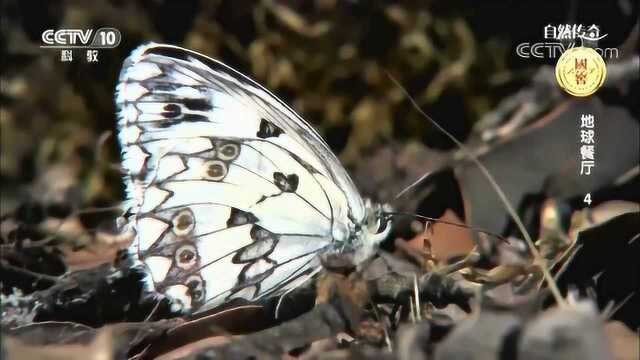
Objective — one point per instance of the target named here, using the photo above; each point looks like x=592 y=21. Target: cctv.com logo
x=106 y=38
x=552 y=50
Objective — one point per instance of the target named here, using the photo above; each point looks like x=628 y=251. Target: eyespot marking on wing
x=183 y=222
x=186 y=256
x=228 y=151
x=215 y=170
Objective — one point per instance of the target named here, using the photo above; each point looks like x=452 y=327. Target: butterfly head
x=374 y=229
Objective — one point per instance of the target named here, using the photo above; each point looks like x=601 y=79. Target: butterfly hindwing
x=230 y=192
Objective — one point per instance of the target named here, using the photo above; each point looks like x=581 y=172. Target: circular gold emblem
x=581 y=71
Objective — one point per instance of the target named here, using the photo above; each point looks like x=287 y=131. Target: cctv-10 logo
x=76 y=38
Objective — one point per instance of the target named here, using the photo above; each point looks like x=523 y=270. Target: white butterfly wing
x=230 y=192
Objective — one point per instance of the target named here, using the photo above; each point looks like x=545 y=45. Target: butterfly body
x=230 y=192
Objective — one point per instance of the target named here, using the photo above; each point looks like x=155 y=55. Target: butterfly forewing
x=230 y=192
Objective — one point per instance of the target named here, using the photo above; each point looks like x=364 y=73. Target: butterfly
x=231 y=193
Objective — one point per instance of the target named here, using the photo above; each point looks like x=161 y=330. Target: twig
x=434 y=287
x=5 y=264
x=416 y=296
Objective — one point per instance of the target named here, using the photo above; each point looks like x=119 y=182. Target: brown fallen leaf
x=445 y=240
x=102 y=249
x=623 y=343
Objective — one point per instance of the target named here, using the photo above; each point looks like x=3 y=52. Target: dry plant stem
x=396 y=289
x=468 y=261
x=7 y=248
x=5 y=264
x=416 y=295
x=507 y=205
x=387 y=338
x=566 y=259
x=612 y=309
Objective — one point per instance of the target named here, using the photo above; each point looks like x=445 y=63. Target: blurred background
x=330 y=60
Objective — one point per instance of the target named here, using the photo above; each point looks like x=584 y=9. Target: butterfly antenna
x=413 y=185
x=503 y=198
x=430 y=219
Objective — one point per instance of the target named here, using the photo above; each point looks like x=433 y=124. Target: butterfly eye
x=183 y=222
x=215 y=170
x=381 y=225
x=229 y=151
x=376 y=221
x=186 y=256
